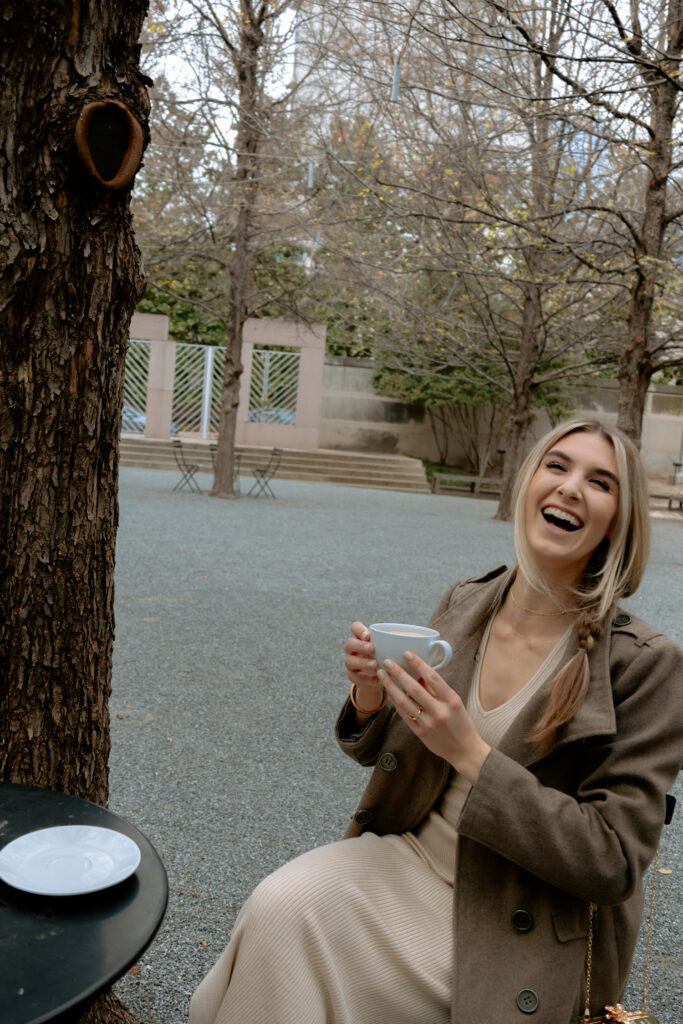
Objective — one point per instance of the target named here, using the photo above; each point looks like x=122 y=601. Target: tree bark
x=69 y=281
x=636 y=364
x=520 y=410
x=241 y=267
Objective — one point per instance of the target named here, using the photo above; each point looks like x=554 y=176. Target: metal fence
x=135 y=387
x=197 y=388
x=198 y=384
x=273 y=386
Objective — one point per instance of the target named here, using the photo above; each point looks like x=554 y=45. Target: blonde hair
x=614 y=570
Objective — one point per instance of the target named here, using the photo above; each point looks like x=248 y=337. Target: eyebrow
x=597 y=471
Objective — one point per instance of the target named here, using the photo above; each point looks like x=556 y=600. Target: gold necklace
x=532 y=611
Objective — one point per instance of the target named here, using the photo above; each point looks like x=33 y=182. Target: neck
x=532 y=610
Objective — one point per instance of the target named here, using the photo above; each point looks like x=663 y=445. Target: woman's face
x=571 y=504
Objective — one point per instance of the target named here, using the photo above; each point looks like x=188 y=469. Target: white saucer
x=68 y=860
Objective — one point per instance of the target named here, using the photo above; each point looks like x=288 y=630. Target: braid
x=571 y=682
x=588 y=628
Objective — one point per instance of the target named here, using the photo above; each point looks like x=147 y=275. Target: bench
x=444 y=482
x=674 y=500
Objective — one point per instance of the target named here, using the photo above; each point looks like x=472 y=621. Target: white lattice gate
x=274 y=385
x=197 y=388
x=135 y=387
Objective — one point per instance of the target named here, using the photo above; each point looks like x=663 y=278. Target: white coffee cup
x=393 y=639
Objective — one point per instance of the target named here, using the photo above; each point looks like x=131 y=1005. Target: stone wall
x=354 y=418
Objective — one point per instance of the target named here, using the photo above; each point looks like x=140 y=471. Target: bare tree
x=626 y=87
x=72 y=130
x=467 y=172
x=240 y=60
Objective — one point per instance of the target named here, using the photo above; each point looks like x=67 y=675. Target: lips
x=560 y=517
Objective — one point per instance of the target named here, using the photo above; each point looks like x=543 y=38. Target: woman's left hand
x=435 y=713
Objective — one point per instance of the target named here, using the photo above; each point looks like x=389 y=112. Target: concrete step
x=391 y=472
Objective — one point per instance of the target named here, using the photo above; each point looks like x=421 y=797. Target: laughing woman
x=524 y=783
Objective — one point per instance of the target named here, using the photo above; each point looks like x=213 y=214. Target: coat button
x=522 y=920
x=622 y=620
x=363 y=817
x=388 y=761
x=527 y=1000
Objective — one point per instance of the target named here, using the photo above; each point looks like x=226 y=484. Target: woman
x=524 y=782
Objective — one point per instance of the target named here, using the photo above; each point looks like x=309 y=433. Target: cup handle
x=447 y=653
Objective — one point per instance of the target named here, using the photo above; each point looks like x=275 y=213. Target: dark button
x=363 y=817
x=388 y=761
x=522 y=920
x=622 y=620
x=527 y=1000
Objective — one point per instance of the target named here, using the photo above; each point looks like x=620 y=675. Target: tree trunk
x=69 y=282
x=636 y=364
x=249 y=135
x=438 y=423
x=223 y=486
x=520 y=409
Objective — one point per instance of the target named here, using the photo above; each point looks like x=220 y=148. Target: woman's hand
x=435 y=713
x=361 y=667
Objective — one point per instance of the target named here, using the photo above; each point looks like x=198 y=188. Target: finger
x=418 y=693
x=360 y=631
x=358 y=647
x=427 y=677
x=354 y=663
x=409 y=709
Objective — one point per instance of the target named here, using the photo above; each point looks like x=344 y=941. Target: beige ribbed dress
x=359 y=931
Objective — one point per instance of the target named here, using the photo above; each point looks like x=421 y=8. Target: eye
x=601 y=483
x=555 y=465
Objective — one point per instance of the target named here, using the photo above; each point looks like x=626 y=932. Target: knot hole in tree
x=109 y=142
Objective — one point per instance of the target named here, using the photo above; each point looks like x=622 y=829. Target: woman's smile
x=572 y=503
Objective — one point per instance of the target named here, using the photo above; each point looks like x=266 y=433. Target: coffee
x=393 y=639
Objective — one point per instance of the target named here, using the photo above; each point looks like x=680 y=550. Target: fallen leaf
x=203 y=942
x=135 y=970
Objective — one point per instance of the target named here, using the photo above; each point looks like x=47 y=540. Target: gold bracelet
x=366 y=711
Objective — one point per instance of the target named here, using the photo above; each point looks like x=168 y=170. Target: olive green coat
x=543 y=834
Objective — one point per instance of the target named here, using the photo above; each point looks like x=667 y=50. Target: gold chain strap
x=589 y=962
x=648 y=956
x=650 y=929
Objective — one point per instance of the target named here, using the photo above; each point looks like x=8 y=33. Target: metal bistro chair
x=236 y=459
x=262 y=485
x=187 y=469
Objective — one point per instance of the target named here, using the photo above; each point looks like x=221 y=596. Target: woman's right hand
x=361 y=667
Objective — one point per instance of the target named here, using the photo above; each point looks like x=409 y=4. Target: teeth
x=559 y=513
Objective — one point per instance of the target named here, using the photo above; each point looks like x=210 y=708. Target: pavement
x=228 y=675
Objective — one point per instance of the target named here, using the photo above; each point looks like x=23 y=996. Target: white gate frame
x=310 y=339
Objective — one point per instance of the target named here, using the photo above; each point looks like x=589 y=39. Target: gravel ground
x=228 y=676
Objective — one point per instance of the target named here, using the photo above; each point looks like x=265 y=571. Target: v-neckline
x=532 y=684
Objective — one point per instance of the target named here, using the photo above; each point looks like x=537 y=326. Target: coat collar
x=595 y=717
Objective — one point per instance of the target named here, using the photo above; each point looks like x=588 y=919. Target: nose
x=569 y=487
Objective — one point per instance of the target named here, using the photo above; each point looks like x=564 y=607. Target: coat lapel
x=463 y=625
x=595 y=717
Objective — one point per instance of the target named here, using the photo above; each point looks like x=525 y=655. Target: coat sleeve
x=597 y=842
x=364 y=745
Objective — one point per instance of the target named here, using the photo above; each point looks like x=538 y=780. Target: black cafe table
x=57 y=953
